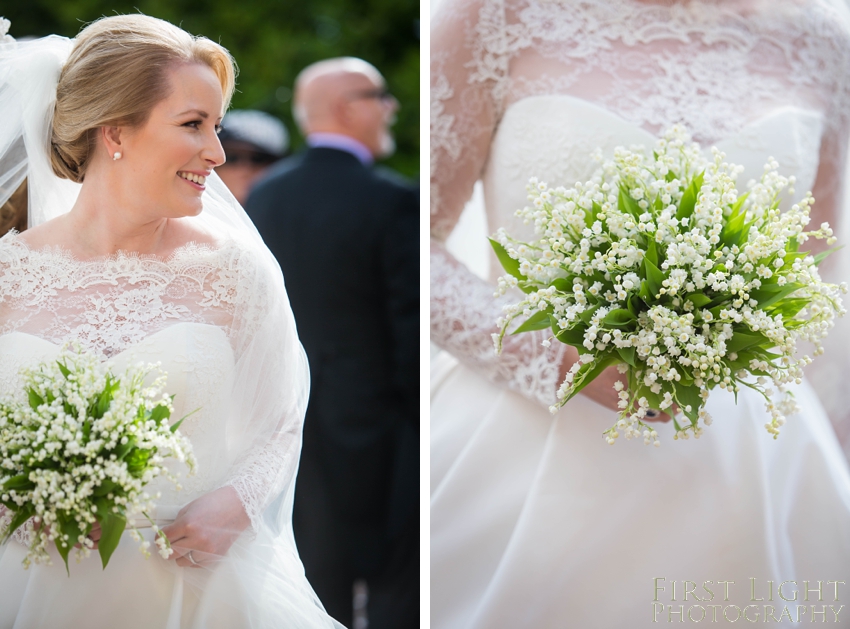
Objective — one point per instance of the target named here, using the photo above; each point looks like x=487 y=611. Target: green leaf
x=654 y=278
x=743 y=340
x=653 y=399
x=687 y=203
x=688 y=395
x=733 y=230
x=124 y=449
x=137 y=461
x=65 y=371
x=563 y=285
x=538 y=321
x=823 y=255
x=587 y=315
x=792 y=246
x=651 y=251
x=572 y=336
x=104 y=488
x=686 y=379
x=736 y=207
x=176 y=424
x=743 y=361
x=627 y=204
x=770 y=294
x=592 y=370
x=789 y=308
x=643 y=293
x=633 y=304
x=35 y=399
x=698 y=299
x=619 y=318
x=111 y=527
x=628 y=355
x=590 y=216
x=20 y=482
x=68 y=526
x=105 y=397
x=508 y=263
x=160 y=412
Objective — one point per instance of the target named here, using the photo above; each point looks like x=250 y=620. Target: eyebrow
x=202 y=114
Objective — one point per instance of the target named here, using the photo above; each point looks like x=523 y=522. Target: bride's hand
x=602 y=390
x=207 y=526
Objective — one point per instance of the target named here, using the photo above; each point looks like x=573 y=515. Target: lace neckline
x=191 y=249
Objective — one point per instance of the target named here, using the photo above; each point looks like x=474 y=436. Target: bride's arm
x=266 y=410
x=464 y=310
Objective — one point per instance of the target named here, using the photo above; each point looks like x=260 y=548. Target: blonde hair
x=115 y=75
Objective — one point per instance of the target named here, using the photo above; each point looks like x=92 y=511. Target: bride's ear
x=112 y=140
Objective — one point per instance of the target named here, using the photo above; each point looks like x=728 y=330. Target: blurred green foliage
x=272 y=40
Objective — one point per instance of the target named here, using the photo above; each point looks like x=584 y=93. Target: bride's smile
x=167 y=160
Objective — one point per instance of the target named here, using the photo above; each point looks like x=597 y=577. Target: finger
x=173 y=531
x=178 y=552
x=184 y=562
x=658 y=418
x=198 y=558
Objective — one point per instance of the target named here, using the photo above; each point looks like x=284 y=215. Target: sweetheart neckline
x=123 y=351
x=652 y=137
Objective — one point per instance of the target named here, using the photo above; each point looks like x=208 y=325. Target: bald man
x=346 y=236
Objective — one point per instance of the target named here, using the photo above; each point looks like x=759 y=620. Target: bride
x=535 y=520
x=138 y=252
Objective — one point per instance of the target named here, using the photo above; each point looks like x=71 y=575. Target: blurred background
x=272 y=40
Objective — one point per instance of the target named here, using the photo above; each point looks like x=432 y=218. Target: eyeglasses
x=381 y=93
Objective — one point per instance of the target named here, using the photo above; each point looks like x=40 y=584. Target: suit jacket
x=346 y=238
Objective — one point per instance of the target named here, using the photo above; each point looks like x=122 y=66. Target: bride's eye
x=195 y=124
x=218 y=129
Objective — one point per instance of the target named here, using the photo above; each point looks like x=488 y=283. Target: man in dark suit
x=346 y=237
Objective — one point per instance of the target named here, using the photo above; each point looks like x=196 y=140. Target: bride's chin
x=186 y=210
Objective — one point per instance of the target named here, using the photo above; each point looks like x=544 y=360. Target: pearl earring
x=116 y=155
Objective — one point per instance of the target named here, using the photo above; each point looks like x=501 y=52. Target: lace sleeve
x=465 y=107
x=464 y=111
x=270 y=389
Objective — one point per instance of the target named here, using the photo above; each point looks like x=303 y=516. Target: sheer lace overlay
x=717 y=66
x=111 y=304
x=123 y=304
x=460 y=317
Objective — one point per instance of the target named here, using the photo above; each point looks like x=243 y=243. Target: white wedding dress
x=181 y=313
x=535 y=520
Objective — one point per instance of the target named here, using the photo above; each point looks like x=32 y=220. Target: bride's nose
x=212 y=153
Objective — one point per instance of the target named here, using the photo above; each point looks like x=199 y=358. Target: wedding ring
x=192 y=559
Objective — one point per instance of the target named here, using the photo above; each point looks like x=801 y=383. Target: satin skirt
x=537 y=522
x=258 y=585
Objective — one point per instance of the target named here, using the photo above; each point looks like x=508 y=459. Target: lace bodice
x=183 y=312
x=111 y=304
x=523 y=88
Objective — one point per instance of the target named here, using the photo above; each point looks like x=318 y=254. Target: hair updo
x=115 y=75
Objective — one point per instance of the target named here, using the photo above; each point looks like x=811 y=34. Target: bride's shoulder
x=49 y=234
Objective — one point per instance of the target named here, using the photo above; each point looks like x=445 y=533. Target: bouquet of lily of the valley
x=80 y=451
x=658 y=265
